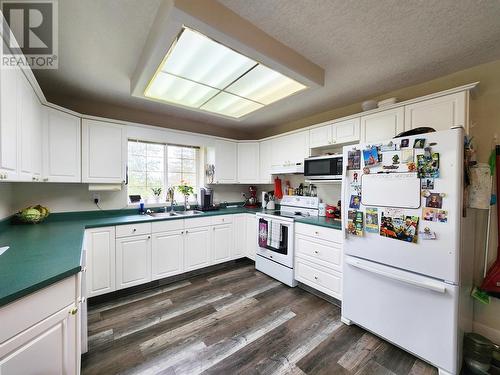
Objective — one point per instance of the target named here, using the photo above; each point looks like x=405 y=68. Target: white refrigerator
x=408 y=252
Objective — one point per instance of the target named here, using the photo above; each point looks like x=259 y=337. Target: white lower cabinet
x=167 y=254
x=197 y=248
x=40 y=332
x=251 y=236
x=100 y=250
x=238 y=250
x=318 y=258
x=133 y=261
x=222 y=242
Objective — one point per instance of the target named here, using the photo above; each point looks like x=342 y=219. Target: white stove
x=275 y=252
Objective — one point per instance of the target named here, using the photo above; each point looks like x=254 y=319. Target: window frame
x=166 y=169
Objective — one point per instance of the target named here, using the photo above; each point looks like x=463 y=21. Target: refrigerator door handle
x=434 y=286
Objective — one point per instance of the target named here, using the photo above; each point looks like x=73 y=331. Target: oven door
x=323 y=168
x=275 y=239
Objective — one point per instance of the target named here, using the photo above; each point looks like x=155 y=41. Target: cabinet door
x=248 y=162
x=9 y=135
x=226 y=157
x=440 y=113
x=290 y=149
x=49 y=347
x=322 y=136
x=61 y=152
x=104 y=152
x=382 y=125
x=240 y=230
x=265 y=155
x=346 y=131
x=37 y=139
x=251 y=236
x=133 y=261
x=26 y=129
x=196 y=248
x=222 y=242
x=100 y=247
x=167 y=254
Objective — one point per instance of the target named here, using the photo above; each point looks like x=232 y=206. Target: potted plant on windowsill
x=185 y=190
x=156 y=193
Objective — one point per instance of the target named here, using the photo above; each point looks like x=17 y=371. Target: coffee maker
x=206 y=199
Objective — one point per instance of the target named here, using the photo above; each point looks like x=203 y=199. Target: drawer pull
x=316 y=251
x=134 y=230
x=316 y=233
x=315 y=277
x=73 y=311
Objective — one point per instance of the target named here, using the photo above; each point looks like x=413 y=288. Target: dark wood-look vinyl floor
x=234 y=321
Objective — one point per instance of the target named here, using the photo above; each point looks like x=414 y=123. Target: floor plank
x=234 y=321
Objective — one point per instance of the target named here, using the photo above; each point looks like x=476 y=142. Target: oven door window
x=275 y=242
x=319 y=167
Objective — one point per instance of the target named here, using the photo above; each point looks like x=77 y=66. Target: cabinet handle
x=149 y=237
x=316 y=251
x=316 y=233
x=270 y=256
x=182 y=232
x=134 y=230
x=84 y=269
x=186 y=232
x=315 y=277
x=73 y=311
x=45 y=180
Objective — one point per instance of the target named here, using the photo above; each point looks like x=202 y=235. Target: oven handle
x=434 y=286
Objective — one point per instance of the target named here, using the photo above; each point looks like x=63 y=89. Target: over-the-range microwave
x=325 y=167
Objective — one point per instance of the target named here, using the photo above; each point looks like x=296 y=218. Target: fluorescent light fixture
x=230 y=105
x=200 y=73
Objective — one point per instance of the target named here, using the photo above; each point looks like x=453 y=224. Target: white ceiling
x=366 y=48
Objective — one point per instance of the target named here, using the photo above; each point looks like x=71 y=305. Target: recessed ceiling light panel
x=200 y=73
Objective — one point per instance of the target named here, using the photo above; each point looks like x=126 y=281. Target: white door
x=321 y=136
x=37 y=139
x=240 y=230
x=251 y=236
x=100 y=246
x=167 y=254
x=133 y=261
x=226 y=157
x=290 y=149
x=196 y=248
x=222 y=242
x=265 y=155
x=9 y=135
x=104 y=152
x=439 y=113
x=248 y=162
x=382 y=125
x=346 y=131
x=48 y=347
x=62 y=142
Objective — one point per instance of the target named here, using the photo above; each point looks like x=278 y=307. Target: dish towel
x=263 y=237
x=275 y=235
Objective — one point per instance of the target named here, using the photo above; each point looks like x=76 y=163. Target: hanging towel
x=263 y=229
x=275 y=235
x=278 y=190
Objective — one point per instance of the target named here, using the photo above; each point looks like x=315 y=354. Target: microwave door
x=318 y=167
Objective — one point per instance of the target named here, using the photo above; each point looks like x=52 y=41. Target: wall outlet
x=96 y=197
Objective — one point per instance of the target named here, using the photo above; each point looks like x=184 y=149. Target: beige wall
x=5 y=200
x=485 y=123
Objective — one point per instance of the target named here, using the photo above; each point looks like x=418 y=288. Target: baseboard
x=487 y=331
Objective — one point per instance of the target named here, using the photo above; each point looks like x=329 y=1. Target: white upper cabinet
x=439 y=113
x=224 y=156
x=382 y=125
x=104 y=152
x=30 y=124
x=337 y=133
x=346 y=131
x=290 y=149
x=320 y=136
x=248 y=162
x=9 y=135
x=265 y=161
x=61 y=147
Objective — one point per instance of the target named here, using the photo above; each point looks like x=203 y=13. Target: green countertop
x=321 y=221
x=42 y=254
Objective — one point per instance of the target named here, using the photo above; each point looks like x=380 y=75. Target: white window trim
x=162 y=202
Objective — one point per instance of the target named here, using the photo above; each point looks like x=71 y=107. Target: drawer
x=132 y=229
x=167 y=225
x=28 y=311
x=197 y=222
x=316 y=231
x=320 y=278
x=327 y=253
x=222 y=219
